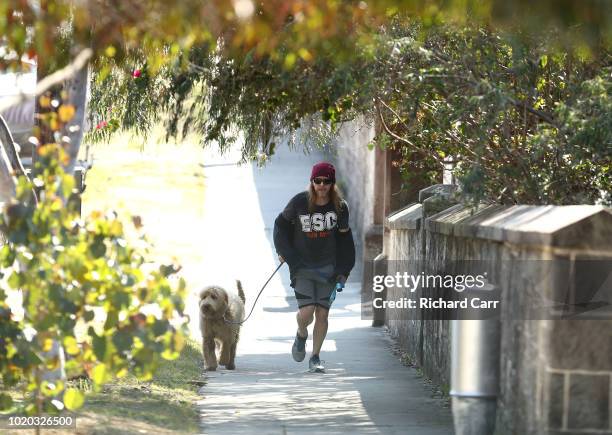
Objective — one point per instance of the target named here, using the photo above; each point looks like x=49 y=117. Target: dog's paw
x=230 y=366
x=211 y=368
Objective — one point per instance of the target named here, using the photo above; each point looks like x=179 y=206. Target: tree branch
x=474 y=81
x=402 y=139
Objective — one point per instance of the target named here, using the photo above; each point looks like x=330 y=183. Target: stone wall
x=555 y=375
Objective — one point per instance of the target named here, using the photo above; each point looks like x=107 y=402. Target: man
x=312 y=235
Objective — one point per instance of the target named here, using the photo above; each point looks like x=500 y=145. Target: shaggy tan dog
x=218 y=308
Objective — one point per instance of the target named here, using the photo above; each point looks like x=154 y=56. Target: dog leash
x=254 y=303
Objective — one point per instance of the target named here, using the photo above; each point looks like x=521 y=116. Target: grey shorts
x=312 y=286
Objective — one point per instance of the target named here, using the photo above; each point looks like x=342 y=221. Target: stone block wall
x=555 y=375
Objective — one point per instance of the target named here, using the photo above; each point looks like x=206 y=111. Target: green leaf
x=111 y=320
x=99 y=374
x=73 y=399
x=88 y=315
x=15 y=280
x=68 y=184
x=99 y=347
x=160 y=327
x=122 y=341
x=121 y=299
x=71 y=346
x=7 y=256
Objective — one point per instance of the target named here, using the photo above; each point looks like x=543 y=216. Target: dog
x=216 y=306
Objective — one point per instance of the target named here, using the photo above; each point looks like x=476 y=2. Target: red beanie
x=323 y=169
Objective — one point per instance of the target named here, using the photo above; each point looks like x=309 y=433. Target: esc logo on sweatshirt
x=318 y=225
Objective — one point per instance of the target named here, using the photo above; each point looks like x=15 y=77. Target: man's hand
x=340 y=280
x=281 y=259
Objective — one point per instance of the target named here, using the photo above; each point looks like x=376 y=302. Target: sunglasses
x=325 y=181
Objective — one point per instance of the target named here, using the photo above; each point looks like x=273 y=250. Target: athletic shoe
x=298 y=350
x=315 y=364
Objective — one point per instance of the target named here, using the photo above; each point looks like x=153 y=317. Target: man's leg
x=304 y=318
x=320 y=329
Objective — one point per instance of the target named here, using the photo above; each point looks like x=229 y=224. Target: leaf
x=47 y=344
x=99 y=347
x=50 y=389
x=290 y=61
x=110 y=51
x=15 y=280
x=7 y=256
x=111 y=320
x=170 y=355
x=88 y=315
x=98 y=249
x=68 y=185
x=66 y=112
x=160 y=327
x=71 y=346
x=73 y=399
x=123 y=341
x=99 y=374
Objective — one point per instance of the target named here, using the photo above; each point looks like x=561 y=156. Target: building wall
x=355 y=167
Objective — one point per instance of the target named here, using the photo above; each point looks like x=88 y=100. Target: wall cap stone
x=408 y=218
x=588 y=226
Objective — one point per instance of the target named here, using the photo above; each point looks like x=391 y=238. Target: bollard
x=474 y=375
x=475 y=351
x=380 y=268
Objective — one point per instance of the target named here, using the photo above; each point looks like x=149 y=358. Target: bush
x=83 y=286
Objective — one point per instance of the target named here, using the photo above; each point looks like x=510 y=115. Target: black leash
x=254 y=303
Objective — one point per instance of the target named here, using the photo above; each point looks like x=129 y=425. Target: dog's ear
x=225 y=297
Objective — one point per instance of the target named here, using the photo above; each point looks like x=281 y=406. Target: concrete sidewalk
x=365 y=388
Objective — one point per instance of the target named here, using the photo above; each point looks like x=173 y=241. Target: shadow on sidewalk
x=364 y=390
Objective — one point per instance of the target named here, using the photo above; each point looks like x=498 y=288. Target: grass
x=162 y=183
x=165 y=404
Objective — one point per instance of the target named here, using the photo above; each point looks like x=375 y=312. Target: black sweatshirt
x=307 y=239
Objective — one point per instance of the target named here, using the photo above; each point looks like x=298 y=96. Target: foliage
x=163 y=30
x=82 y=286
x=517 y=121
x=123 y=97
x=521 y=123
x=504 y=105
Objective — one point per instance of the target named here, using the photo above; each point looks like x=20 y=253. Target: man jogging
x=312 y=235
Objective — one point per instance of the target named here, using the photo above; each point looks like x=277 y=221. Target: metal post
x=474 y=375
